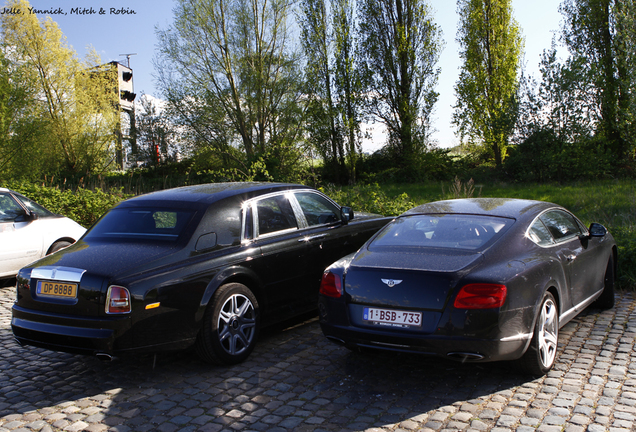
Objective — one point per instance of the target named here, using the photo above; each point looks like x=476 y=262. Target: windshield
x=141 y=224
x=454 y=231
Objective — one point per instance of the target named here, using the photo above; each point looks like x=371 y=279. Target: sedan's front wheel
x=230 y=325
x=541 y=354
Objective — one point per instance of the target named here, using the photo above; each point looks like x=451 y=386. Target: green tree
x=590 y=33
x=491 y=49
x=332 y=83
x=232 y=63
x=76 y=99
x=347 y=79
x=399 y=50
x=22 y=131
x=155 y=133
x=324 y=128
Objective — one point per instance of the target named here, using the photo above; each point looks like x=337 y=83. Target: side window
x=317 y=209
x=34 y=207
x=539 y=234
x=248 y=232
x=9 y=209
x=561 y=225
x=275 y=214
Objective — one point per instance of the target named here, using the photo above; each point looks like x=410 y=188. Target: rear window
x=141 y=224
x=456 y=231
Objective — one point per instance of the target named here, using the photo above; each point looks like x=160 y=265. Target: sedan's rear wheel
x=541 y=354
x=230 y=326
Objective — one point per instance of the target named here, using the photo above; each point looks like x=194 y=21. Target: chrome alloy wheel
x=236 y=324
x=548 y=333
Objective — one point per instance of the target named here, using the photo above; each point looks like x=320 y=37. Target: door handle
x=311 y=238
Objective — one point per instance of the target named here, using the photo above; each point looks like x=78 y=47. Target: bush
x=543 y=157
x=370 y=198
x=84 y=206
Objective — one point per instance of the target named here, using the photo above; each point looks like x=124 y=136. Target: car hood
x=109 y=259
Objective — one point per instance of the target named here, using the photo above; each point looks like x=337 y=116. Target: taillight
x=331 y=285
x=117 y=300
x=481 y=296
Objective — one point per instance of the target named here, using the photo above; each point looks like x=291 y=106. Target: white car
x=28 y=232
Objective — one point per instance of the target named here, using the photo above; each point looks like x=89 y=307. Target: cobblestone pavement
x=297 y=380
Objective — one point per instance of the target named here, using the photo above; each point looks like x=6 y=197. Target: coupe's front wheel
x=230 y=326
x=541 y=354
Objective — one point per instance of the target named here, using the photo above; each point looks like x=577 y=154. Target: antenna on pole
x=128 y=58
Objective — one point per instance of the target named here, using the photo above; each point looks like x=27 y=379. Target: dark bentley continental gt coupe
x=202 y=265
x=472 y=280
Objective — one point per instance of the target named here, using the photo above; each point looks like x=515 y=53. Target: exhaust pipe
x=336 y=340
x=462 y=356
x=104 y=357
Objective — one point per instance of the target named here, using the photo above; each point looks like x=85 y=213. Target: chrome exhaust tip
x=462 y=356
x=104 y=357
x=336 y=340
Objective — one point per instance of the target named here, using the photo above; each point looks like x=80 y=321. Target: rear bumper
x=451 y=347
x=74 y=335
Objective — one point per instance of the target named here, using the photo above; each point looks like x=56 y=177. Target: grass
x=611 y=203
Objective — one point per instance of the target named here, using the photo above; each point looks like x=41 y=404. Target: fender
x=234 y=273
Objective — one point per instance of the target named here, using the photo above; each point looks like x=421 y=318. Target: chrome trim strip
x=518 y=337
x=58 y=273
x=572 y=312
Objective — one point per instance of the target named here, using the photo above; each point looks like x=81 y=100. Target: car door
x=20 y=238
x=283 y=261
x=576 y=257
x=327 y=238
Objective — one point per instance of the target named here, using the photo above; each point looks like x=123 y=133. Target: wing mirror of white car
x=27 y=217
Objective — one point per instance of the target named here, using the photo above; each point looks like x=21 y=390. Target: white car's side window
x=9 y=209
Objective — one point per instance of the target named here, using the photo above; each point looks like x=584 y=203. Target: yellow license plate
x=57 y=289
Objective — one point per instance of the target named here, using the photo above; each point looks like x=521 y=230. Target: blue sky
x=133 y=31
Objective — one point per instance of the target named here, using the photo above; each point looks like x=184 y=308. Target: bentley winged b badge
x=391 y=282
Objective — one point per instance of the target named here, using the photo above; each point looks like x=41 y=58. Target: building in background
x=126 y=145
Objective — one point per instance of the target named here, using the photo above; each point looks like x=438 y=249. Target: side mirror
x=346 y=214
x=27 y=217
x=597 y=230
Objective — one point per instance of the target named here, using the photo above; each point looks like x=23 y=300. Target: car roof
x=205 y=194
x=501 y=207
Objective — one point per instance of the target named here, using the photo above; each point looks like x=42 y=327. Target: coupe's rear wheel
x=230 y=325
x=606 y=299
x=541 y=354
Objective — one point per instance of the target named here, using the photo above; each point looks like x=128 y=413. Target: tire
x=606 y=299
x=58 y=245
x=541 y=354
x=230 y=326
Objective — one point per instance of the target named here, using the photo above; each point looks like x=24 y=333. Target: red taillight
x=117 y=300
x=481 y=296
x=331 y=285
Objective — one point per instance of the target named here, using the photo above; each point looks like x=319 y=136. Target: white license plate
x=392 y=318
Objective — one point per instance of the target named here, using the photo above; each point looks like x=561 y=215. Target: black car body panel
x=199 y=239
x=394 y=274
